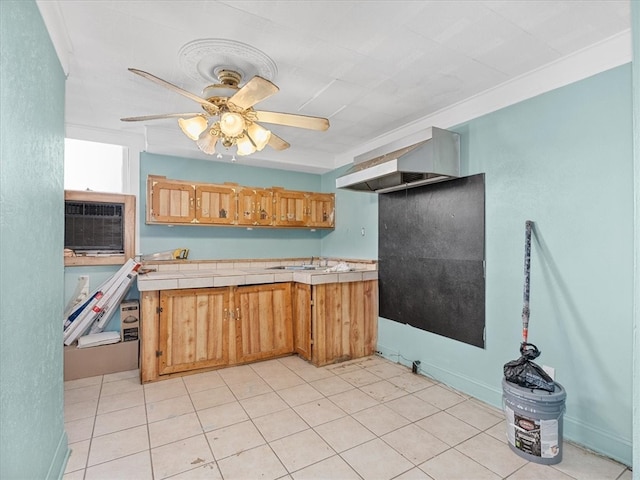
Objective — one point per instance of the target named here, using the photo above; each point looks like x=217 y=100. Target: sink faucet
x=311 y=262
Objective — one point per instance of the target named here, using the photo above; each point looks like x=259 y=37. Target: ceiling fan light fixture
x=193 y=127
x=207 y=142
x=218 y=90
x=229 y=116
x=259 y=135
x=232 y=124
x=245 y=146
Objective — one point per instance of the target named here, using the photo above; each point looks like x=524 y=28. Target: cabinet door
x=149 y=335
x=170 y=202
x=264 y=326
x=194 y=329
x=255 y=206
x=302 y=341
x=216 y=204
x=320 y=210
x=345 y=321
x=290 y=208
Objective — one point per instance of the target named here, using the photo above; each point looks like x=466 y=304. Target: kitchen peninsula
x=201 y=315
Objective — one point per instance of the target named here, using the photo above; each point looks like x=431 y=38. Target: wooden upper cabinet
x=291 y=208
x=216 y=204
x=304 y=209
x=194 y=329
x=170 y=201
x=194 y=203
x=255 y=206
x=321 y=210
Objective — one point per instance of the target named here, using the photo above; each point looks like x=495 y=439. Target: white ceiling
x=369 y=66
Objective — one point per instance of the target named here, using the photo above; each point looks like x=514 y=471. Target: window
x=98 y=167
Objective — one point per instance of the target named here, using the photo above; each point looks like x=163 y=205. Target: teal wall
x=226 y=242
x=563 y=160
x=354 y=211
x=635 y=28
x=33 y=443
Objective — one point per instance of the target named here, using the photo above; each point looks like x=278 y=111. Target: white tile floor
x=365 y=419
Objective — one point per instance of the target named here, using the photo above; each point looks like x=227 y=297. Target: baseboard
x=576 y=431
x=600 y=441
x=60 y=458
x=467 y=385
x=387 y=353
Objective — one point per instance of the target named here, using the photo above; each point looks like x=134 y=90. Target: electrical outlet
x=550 y=371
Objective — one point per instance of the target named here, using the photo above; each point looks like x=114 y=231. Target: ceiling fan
x=228 y=115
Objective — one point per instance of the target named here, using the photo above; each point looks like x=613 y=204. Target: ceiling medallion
x=206 y=58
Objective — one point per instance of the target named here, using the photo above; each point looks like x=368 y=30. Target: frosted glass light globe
x=232 y=124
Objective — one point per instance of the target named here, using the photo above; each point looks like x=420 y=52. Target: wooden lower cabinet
x=264 y=325
x=149 y=335
x=336 y=321
x=344 y=318
x=204 y=328
x=301 y=297
x=194 y=329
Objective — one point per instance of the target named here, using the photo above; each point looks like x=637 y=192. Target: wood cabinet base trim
x=185 y=373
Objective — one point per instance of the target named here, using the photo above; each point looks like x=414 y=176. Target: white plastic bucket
x=534 y=422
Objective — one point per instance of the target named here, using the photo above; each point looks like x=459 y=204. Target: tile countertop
x=203 y=275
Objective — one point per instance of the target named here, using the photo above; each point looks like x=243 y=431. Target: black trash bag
x=526 y=373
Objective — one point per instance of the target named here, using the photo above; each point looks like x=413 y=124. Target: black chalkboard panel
x=431 y=258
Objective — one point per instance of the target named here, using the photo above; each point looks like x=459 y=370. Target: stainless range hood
x=427 y=157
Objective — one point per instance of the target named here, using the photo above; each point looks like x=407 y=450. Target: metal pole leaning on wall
x=527 y=274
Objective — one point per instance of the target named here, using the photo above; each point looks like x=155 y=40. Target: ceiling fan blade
x=277 y=143
x=254 y=91
x=175 y=88
x=293 y=120
x=158 y=117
